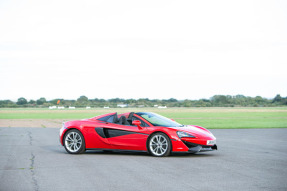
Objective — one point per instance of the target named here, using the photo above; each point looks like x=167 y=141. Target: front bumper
x=62 y=132
x=194 y=148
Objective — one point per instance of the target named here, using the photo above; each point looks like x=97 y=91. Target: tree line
x=214 y=101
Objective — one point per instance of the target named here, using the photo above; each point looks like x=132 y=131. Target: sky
x=142 y=49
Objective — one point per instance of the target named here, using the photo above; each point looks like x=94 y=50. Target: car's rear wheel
x=159 y=145
x=74 y=142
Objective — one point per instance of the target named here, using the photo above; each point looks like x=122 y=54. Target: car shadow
x=61 y=149
x=137 y=153
x=193 y=155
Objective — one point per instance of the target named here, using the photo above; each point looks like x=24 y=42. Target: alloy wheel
x=73 y=141
x=159 y=145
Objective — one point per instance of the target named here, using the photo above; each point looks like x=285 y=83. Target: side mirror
x=137 y=123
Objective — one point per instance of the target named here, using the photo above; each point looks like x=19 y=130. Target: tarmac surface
x=247 y=159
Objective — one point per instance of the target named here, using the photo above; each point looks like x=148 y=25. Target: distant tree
x=82 y=99
x=21 y=101
x=7 y=103
x=239 y=96
x=187 y=103
x=154 y=100
x=277 y=98
x=41 y=101
x=202 y=103
x=239 y=100
x=172 y=100
x=258 y=99
x=220 y=100
x=116 y=100
x=215 y=101
x=205 y=100
x=131 y=101
x=70 y=103
x=32 y=101
x=102 y=100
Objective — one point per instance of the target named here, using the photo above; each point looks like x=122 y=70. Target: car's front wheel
x=159 y=145
x=74 y=142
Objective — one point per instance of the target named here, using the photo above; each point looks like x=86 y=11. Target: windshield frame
x=167 y=122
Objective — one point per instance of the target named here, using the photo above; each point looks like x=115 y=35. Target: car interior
x=122 y=120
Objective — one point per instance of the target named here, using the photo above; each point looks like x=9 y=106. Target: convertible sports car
x=141 y=131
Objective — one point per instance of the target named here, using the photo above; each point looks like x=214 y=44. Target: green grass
x=206 y=117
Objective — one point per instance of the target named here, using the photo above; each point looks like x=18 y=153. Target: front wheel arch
x=150 y=136
x=69 y=129
x=81 y=150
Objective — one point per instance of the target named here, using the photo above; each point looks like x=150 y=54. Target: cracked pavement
x=247 y=159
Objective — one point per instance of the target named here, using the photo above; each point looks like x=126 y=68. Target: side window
x=111 y=119
x=143 y=124
x=105 y=118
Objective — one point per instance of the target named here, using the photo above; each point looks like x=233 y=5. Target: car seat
x=123 y=121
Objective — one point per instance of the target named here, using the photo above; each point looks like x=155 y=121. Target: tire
x=74 y=142
x=159 y=145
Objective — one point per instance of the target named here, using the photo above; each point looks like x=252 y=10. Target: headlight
x=181 y=134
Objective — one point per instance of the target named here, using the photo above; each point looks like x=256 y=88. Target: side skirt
x=116 y=150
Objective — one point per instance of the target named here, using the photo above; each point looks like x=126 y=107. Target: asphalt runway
x=247 y=159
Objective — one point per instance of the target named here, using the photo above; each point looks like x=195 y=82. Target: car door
x=96 y=132
x=126 y=137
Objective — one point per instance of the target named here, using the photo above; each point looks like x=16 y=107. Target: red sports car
x=141 y=131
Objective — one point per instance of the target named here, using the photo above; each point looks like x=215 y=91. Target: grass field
x=207 y=117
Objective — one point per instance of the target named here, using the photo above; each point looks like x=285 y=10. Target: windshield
x=158 y=120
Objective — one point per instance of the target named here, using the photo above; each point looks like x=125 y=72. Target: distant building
x=88 y=107
x=70 y=107
x=52 y=107
x=106 y=107
x=61 y=107
x=162 y=107
x=122 y=105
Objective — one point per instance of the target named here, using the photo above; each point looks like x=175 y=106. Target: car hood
x=195 y=131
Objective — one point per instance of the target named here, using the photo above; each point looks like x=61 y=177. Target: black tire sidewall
x=83 y=146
